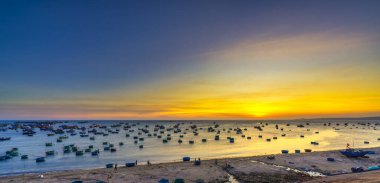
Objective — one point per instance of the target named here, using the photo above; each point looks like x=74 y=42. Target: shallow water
x=156 y=151
x=310 y=173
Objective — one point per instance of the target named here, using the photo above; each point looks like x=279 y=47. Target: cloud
x=292 y=48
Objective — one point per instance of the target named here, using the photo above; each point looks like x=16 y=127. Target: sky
x=217 y=59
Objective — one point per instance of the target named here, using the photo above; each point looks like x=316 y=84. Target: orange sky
x=313 y=75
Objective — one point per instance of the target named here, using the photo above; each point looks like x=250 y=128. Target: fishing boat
x=49 y=144
x=95 y=153
x=357 y=169
x=331 y=159
x=179 y=180
x=284 y=151
x=49 y=153
x=77 y=181
x=130 y=164
x=354 y=153
x=197 y=162
x=217 y=137
x=371 y=168
x=12 y=153
x=79 y=153
x=4 y=138
x=24 y=157
x=314 y=143
x=66 y=151
x=164 y=181
x=2 y=158
x=40 y=159
x=232 y=140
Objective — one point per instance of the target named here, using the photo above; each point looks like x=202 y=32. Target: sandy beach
x=306 y=167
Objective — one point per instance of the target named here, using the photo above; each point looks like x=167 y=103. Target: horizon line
x=367 y=117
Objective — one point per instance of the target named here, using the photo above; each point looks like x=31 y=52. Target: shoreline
x=157 y=163
x=243 y=169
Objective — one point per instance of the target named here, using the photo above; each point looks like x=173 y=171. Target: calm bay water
x=329 y=138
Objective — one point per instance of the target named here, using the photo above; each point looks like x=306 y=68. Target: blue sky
x=68 y=49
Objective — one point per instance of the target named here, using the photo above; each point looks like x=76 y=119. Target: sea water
x=329 y=138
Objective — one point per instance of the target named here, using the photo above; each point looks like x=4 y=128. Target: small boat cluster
x=9 y=154
x=180 y=132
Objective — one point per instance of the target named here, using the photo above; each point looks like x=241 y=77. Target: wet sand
x=284 y=168
x=367 y=177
